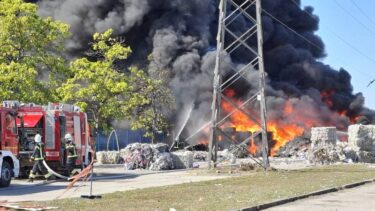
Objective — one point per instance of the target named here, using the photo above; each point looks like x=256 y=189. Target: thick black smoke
x=180 y=35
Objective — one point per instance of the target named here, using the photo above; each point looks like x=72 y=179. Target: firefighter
x=38 y=158
x=71 y=154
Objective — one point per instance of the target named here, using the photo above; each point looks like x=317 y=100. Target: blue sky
x=349 y=37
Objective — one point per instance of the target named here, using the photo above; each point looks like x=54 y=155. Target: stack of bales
x=108 y=157
x=183 y=159
x=362 y=140
x=147 y=156
x=323 y=146
x=323 y=136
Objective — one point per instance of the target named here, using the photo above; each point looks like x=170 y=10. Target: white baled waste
x=147 y=156
x=163 y=161
x=109 y=157
x=323 y=136
x=183 y=159
x=226 y=156
x=362 y=136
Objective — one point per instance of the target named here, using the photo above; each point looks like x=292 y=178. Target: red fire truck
x=19 y=123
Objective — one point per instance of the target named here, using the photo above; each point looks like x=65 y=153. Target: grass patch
x=225 y=194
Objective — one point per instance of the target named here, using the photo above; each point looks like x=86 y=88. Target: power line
x=363 y=12
x=298 y=34
x=355 y=18
x=354 y=48
x=342 y=40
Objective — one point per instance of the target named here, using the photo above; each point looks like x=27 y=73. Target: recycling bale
x=183 y=159
x=362 y=136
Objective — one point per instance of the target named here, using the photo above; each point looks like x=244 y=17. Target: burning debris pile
x=297 y=148
x=325 y=147
x=319 y=146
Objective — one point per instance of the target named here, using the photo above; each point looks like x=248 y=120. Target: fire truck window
x=83 y=128
x=62 y=123
x=11 y=124
x=14 y=129
x=8 y=122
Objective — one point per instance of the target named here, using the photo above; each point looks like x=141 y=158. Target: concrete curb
x=295 y=198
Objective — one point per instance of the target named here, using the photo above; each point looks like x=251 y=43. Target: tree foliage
x=96 y=85
x=33 y=70
x=30 y=67
x=158 y=102
x=100 y=87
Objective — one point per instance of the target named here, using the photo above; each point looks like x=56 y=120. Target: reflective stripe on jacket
x=72 y=152
x=38 y=153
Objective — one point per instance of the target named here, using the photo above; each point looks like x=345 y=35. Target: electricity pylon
x=238 y=44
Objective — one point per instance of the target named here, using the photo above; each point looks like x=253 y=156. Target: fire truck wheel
x=6 y=175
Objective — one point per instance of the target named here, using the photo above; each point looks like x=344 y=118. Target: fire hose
x=53 y=172
x=84 y=174
x=84 y=171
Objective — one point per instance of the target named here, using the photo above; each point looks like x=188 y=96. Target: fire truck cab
x=21 y=122
x=9 y=163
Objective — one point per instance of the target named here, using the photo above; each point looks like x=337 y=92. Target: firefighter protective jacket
x=72 y=152
x=38 y=153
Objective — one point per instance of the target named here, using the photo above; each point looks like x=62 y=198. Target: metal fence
x=125 y=137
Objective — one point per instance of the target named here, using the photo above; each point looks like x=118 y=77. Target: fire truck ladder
x=246 y=48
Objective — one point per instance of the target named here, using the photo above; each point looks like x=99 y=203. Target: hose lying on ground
x=53 y=172
x=82 y=175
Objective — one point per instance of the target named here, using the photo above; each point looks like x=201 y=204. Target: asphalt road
x=107 y=180
x=355 y=199
x=112 y=178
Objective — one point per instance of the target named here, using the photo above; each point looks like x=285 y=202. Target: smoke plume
x=180 y=36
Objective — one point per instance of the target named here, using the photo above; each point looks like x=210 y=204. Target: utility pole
x=235 y=43
x=262 y=85
x=216 y=102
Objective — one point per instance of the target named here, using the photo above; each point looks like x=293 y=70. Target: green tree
x=30 y=68
x=158 y=103
x=96 y=84
x=102 y=88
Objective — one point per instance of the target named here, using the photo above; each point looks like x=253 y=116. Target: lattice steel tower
x=239 y=43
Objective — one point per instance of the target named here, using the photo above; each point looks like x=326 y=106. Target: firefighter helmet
x=68 y=137
x=38 y=138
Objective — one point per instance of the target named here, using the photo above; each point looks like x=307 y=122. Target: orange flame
x=252 y=147
x=282 y=132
